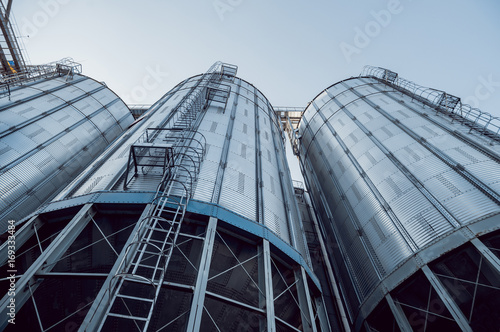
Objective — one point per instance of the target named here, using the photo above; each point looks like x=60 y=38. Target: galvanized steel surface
x=249 y=148
x=49 y=131
x=393 y=174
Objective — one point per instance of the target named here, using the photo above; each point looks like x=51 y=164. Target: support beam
x=22 y=235
x=399 y=315
x=447 y=299
x=7 y=11
x=490 y=257
x=46 y=261
x=271 y=323
x=306 y=309
x=98 y=308
x=197 y=305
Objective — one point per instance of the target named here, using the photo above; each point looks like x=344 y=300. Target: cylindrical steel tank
x=244 y=168
x=50 y=129
x=399 y=178
x=202 y=229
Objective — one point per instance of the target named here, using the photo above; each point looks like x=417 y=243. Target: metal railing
x=482 y=122
x=65 y=67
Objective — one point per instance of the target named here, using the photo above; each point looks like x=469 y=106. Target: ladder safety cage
x=477 y=120
x=177 y=151
x=448 y=102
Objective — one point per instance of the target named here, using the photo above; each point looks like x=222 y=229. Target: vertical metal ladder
x=178 y=150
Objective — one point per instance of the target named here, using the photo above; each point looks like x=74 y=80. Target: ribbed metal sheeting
x=107 y=171
x=252 y=163
x=392 y=174
x=49 y=131
x=244 y=168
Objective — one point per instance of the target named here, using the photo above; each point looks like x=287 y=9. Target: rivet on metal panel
x=420 y=262
x=468 y=233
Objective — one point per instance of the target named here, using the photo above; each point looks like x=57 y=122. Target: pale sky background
x=290 y=50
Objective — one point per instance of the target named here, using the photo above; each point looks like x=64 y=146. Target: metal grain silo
x=53 y=123
x=405 y=180
x=187 y=222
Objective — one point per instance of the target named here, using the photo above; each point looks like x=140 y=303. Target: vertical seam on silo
x=458 y=168
x=420 y=187
x=225 y=148
x=52 y=139
x=353 y=217
x=258 y=162
x=47 y=113
x=456 y=134
x=38 y=95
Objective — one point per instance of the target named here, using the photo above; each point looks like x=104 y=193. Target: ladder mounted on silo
x=177 y=150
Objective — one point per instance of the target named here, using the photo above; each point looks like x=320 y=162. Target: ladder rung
x=161 y=230
x=140 y=281
x=162 y=242
x=146 y=266
x=151 y=253
x=127 y=317
x=135 y=298
x=159 y=242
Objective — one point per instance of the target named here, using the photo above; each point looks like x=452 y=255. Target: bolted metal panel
x=395 y=176
x=51 y=130
x=173 y=256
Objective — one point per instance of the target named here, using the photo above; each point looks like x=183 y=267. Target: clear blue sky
x=290 y=50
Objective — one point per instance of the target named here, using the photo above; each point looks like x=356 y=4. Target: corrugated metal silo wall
x=49 y=131
x=388 y=179
x=244 y=169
